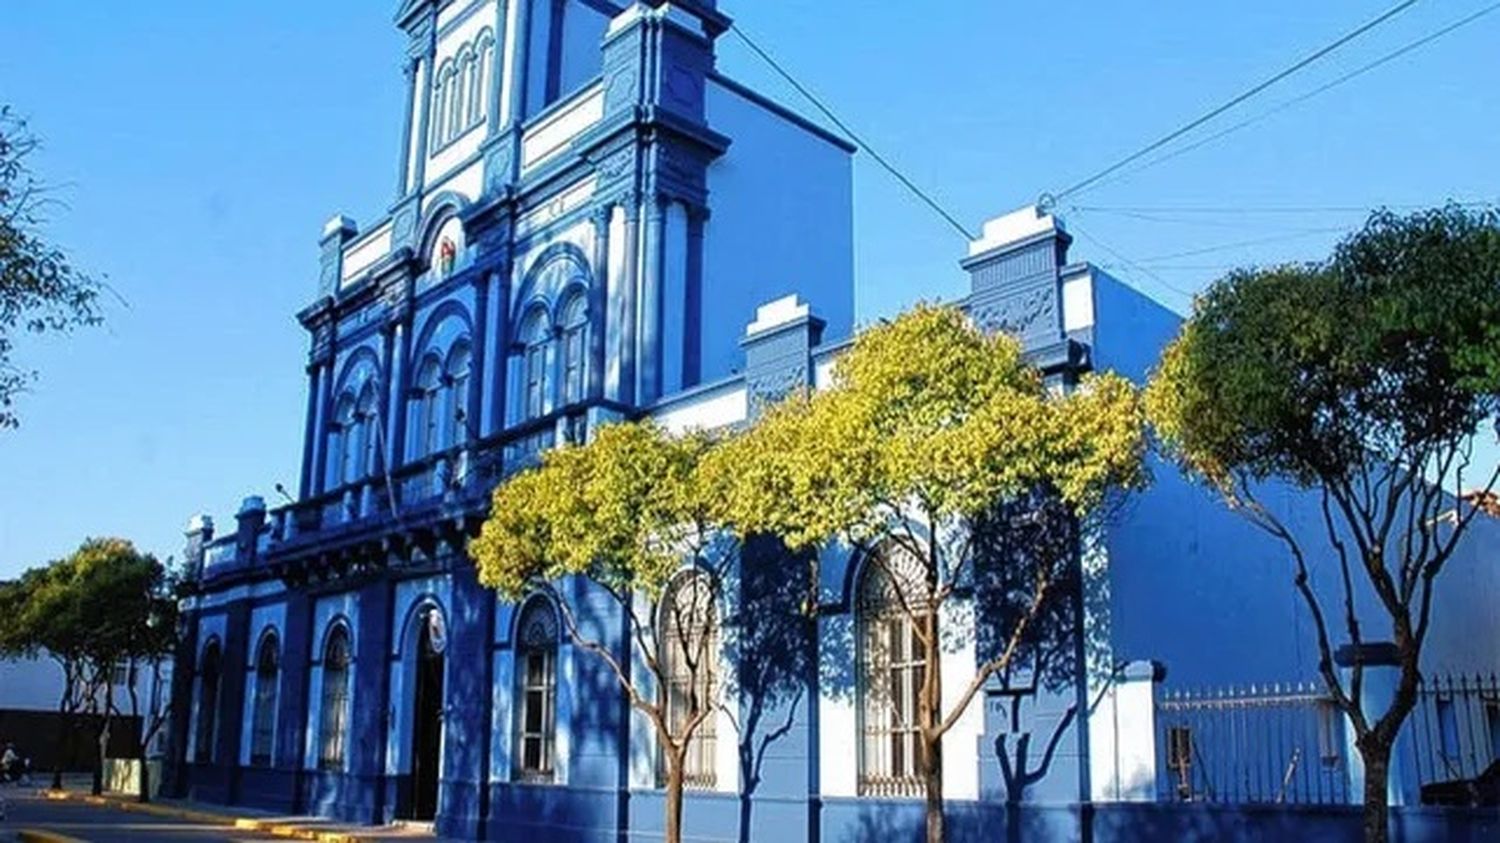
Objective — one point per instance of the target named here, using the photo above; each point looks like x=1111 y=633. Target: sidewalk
x=246 y=819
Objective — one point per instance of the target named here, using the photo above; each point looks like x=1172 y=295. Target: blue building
x=592 y=223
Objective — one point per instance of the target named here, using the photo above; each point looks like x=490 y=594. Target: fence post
x=1381 y=674
x=1123 y=725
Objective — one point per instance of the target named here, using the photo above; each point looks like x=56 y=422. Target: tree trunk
x=932 y=779
x=674 y=797
x=103 y=736
x=1377 y=758
x=145 y=777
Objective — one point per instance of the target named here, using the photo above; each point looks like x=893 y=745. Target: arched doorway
x=427 y=715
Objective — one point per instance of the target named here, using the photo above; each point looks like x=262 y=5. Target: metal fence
x=1454 y=731
x=1269 y=744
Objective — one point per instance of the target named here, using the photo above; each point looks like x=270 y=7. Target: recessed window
x=263 y=721
x=333 y=729
x=690 y=641
x=892 y=668
x=536 y=667
x=210 y=671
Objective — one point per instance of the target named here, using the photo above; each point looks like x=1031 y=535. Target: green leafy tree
x=629 y=511
x=40 y=289
x=107 y=605
x=1366 y=379
x=931 y=433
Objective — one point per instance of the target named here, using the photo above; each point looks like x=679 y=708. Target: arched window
x=333 y=727
x=536 y=672
x=485 y=63
x=456 y=379
x=367 y=417
x=456 y=103
x=426 y=410
x=210 y=671
x=535 y=337
x=690 y=664
x=343 y=448
x=892 y=665
x=575 y=325
x=263 y=719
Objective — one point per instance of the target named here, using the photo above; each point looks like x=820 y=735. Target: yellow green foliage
x=928 y=412
x=625 y=509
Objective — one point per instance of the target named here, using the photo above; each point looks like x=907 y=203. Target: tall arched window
x=485 y=63
x=437 y=119
x=263 y=718
x=690 y=663
x=210 y=670
x=367 y=415
x=343 y=445
x=456 y=102
x=426 y=409
x=892 y=666
x=333 y=729
x=456 y=379
x=536 y=676
x=575 y=325
x=536 y=336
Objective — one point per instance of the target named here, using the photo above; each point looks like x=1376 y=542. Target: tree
x=100 y=608
x=40 y=289
x=1366 y=379
x=42 y=616
x=931 y=435
x=628 y=512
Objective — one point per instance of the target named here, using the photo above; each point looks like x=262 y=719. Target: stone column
x=403 y=187
x=629 y=293
x=320 y=433
x=649 y=341
x=309 y=431
x=401 y=386
x=692 y=310
x=598 y=302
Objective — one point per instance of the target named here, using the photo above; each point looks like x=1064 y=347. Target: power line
x=1227 y=210
x=1385 y=59
x=1177 y=133
x=1160 y=281
x=1240 y=244
x=855 y=137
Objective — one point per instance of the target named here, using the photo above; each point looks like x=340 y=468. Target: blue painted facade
x=588 y=216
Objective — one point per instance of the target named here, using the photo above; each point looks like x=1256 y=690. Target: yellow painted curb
x=265 y=826
x=34 y=835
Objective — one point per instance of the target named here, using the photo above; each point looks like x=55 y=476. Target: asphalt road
x=98 y=824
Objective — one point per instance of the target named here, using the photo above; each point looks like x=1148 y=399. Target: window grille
x=334 y=726
x=690 y=640
x=536 y=659
x=892 y=668
x=263 y=721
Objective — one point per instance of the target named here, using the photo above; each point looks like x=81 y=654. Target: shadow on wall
x=775 y=654
x=974 y=822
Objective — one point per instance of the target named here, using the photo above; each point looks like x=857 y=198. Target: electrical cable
x=1351 y=75
x=1047 y=201
x=858 y=141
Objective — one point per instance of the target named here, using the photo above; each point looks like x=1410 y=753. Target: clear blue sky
x=200 y=146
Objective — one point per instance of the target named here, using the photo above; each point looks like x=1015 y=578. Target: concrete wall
x=781 y=224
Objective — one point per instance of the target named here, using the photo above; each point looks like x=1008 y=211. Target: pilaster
x=649 y=355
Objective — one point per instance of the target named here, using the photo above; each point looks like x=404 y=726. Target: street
x=26 y=809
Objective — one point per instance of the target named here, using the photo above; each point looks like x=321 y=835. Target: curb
x=275 y=828
x=33 y=835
